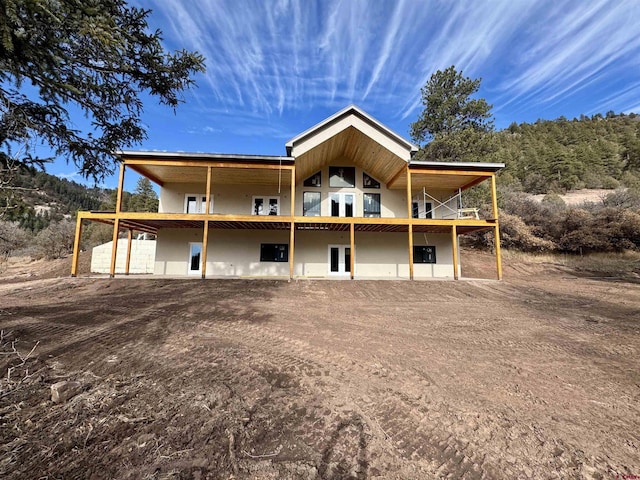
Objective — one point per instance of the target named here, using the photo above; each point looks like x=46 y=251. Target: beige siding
x=237 y=253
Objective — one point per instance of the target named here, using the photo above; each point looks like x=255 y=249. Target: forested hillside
x=41 y=198
x=560 y=155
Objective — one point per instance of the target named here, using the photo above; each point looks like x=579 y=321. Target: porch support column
x=292 y=236
x=494 y=202
x=116 y=221
x=292 y=233
x=129 y=241
x=454 y=244
x=76 y=246
x=410 y=217
x=498 y=255
x=205 y=241
x=114 y=247
x=352 y=241
x=205 y=231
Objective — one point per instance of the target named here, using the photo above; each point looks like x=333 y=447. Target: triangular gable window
x=314 y=180
x=369 y=182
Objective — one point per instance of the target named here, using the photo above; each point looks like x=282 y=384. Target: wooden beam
x=148 y=175
x=129 y=241
x=454 y=243
x=395 y=176
x=205 y=241
x=292 y=237
x=468 y=173
x=352 y=241
x=494 y=197
x=207 y=207
x=197 y=163
x=120 y=189
x=114 y=247
x=292 y=234
x=410 y=220
x=76 y=247
x=473 y=183
x=410 y=252
x=293 y=192
x=498 y=254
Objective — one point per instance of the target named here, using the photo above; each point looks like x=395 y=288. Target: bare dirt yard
x=536 y=376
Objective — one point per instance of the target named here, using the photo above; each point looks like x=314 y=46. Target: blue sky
x=277 y=67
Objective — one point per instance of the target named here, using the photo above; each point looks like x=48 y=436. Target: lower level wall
x=237 y=253
x=143 y=253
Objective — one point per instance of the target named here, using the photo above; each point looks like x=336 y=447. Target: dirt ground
x=536 y=376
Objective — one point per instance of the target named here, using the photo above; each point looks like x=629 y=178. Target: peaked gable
x=351 y=133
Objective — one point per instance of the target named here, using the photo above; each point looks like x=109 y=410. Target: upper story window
x=311 y=202
x=196 y=203
x=266 y=206
x=342 y=177
x=371 y=207
x=369 y=182
x=314 y=180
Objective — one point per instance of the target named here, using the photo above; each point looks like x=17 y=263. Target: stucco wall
x=237 y=253
x=229 y=252
x=227 y=199
x=143 y=254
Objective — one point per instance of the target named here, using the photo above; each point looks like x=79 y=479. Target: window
x=342 y=177
x=274 y=252
x=314 y=180
x=311 y=204
x=371 y=205
x=266 y=206
x=342 y=204
x=196 y=203
x=427 y=212
x=424 y=254
x=369 y=182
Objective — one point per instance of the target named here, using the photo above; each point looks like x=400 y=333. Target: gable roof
x=354 y=136
x=350 y=110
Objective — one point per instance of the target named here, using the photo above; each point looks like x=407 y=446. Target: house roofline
x=351 y=109
x=202 y=156
x=491 y=167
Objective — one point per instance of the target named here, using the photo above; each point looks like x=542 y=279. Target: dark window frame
x=305 y=211
x=270 y=252
x=421 y=254
x=369 y=182
x=348 y=174
x=316 y=177
x=371 y=214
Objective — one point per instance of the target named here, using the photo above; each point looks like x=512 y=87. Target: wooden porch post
x=410 y=217
x=205 y=231
x=114 y=247
x=494 y=202
x=76 y=246
x=498 y=255
x=292 y=233
x=129 y=241
x=116 y=222
x=352 y=241
x=454 y=243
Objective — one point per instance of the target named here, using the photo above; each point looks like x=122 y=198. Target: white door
x=339 y=259
x=195 y=259
x=343 y=204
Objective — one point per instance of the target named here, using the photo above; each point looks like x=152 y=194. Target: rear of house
x=346 y=201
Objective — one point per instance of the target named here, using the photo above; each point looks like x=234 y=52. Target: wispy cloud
x=270 y=59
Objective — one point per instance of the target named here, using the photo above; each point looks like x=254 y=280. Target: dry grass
x=625 y=264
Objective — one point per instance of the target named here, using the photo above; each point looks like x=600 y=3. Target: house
x=346 y=200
